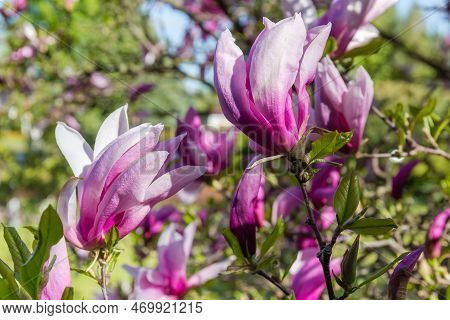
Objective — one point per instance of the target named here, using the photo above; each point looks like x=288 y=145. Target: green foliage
x=29 y=273
x=349 y=264
x=234 y=244
x=372 y=226
x=346 y=198
x=328 y=144
x=274 y=236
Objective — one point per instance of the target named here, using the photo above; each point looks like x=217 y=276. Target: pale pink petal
x=75 y=149
x=208 y=273
x=113 y=126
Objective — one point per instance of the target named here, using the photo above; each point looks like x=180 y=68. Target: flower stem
x=103 y=281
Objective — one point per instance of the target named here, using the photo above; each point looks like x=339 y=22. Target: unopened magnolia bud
x=348 y=264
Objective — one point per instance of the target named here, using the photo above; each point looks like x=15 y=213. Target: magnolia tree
x=288 y=195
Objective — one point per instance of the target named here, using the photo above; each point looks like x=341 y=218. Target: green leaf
x=112 y=238
x=288 y=268
x=14 y=290
x=50 y=230
x=349 y=262
x=328 y=144
x=233 y=243
x=371 y=48
x=330 y=46
x=67 y=294
x=276 y=233
x=425 y=111
x=17 y=248
x=84 y=273
x=443 y=125
x=346 y=198
x=380 y=272
x=372 y=226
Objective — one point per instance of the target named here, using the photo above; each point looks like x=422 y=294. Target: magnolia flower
x=168 y=280
x=399 y=181
x=203 y=146
x=256 y=95
x=351 y=22
x=118 y=182
x=401 y=274
x=155 y=219
x=437 y=230
x=308 y=282
x=59 y=276
x=247 y=208
x=341 y=107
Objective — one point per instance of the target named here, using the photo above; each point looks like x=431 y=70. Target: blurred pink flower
x=308 y=282
x=169 y=280
x=399 y=181
x=435 y=233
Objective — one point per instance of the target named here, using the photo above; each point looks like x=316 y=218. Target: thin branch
x=274 y=281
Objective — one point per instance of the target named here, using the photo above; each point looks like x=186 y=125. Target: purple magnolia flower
x=168 y=280
x=308 y=282
x=119 y=181
x=324 y=184
x=433 y=244
x=136 y=91
x=256 y=95
x=351 y=22
x=155 y=219
x=59 y=276
x=401 y=274
x=247 y=208
x=399 y=181
x=203 y=146
x=341 y=107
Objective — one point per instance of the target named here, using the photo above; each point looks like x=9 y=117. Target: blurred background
x=78 y=60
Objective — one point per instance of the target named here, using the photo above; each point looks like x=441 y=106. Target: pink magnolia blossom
x=204 y=146
x=256 y=95
x=351 y=22
x=155 y=219
x=308 y=281
x=169 y=280
x=247 y=208
x=342 y=107
x=433 y=244
x=59 y=276
x=119 y=181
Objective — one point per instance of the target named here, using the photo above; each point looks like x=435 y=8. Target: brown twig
x=274 y=281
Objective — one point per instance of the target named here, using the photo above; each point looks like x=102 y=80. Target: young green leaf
x=380 y=272
x=112 y=238
x=30 y=274
x=17 y=248
x=330 y=46
x=233 y=243
x=348 y=264
x=328 y=144
x=346 y=198
x=276 y=233
x=372 y=226
x=425 y=111
x=67 y=294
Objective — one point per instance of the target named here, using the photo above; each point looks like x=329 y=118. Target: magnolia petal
x=75 y=149
x=208 y=273
x=113 y=126
x=286 y=202
x=171 y=182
